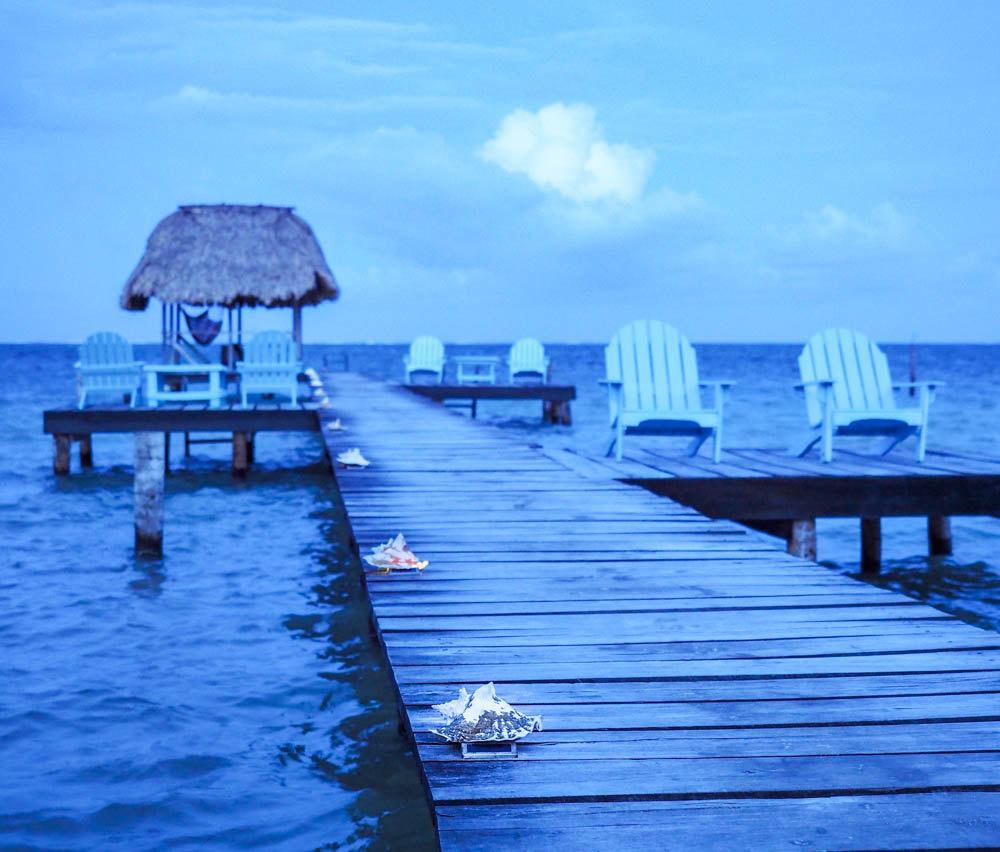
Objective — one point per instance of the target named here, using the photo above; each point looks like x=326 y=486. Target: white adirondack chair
x=426 y=356
x=107 y=366
x=269 y=366
x=653 y=388
x=527 y=362
x=848 y=391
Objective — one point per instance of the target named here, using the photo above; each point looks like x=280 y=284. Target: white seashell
x=352 y=458
x=394 y=554
x=483 y=717
x=324 y=403
x=335 y=425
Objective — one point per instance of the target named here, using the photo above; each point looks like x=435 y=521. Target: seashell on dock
x=394 y=554
x=352 y=458
x=335 y=425
x=483 y=717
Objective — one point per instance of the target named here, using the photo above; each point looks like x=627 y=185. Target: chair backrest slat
x=526 y=354
x=858 y=369
x=270 y=347
x=656 y=365
x=426 y=351
x=105 y=347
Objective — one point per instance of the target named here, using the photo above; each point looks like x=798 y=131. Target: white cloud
x=560 y=148
x=884 y=225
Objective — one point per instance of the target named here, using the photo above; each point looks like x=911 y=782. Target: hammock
x=203 y=329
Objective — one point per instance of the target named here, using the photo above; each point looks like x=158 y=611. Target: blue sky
x=746 y=171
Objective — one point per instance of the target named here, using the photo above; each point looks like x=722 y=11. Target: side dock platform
x=700 y=687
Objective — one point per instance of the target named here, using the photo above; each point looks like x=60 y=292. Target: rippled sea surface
x=228 y=696
x=225 y=697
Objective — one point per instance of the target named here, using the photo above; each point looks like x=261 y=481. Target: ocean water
x=228 y=695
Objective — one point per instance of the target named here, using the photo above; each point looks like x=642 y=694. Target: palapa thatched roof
x=231 y=254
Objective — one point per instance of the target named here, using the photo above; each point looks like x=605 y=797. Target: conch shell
x=352 y=458
x=482 y=717
x=394 y=554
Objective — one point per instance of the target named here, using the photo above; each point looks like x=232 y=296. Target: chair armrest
x=815 y=383
x=608 y=383
x=718 y=383
x=907 y=385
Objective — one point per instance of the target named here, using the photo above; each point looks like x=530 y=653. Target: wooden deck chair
x=527 y=362
x=426 y=356
x=269 y=366
x=107 y=366
x=653 y=388
x=848 y=391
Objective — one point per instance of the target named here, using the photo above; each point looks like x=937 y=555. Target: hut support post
x=60 y=458
x=241 y=453
x=297 y=330
x=149 y=480
x=939 y=535
x=86 y=451
x=802 y=538
x=871 y=545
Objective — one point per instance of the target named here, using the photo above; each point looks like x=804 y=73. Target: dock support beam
x=939 y=535
x=149 y=479
x=86 y=451
x=802 y=538
x=60 y=458
x=555 y=412
x=871 y=545
x=241 y=453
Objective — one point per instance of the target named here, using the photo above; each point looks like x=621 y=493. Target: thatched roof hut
x=232 y=255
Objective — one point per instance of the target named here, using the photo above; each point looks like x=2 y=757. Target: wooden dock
x=701 y=688
x=782 y=495
x=69 y=424
x=555 y=398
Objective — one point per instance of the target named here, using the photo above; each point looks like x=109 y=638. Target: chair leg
x=892 y=440
x=697 y=441
x=810 y=443
x=611 y=446
x=620 y=441
x=921 y=442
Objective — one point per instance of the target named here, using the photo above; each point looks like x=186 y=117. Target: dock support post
x=939 y=535
x=251 y=447
x=871 y=545
x=802 y=538
x=166 y=452
x=241 y=454
x=149 y=479
x=60 y=459
x=87 y=451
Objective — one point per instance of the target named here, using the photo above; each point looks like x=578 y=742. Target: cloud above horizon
x=561 y=149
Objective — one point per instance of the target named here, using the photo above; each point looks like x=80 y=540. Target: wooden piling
x=241 y=453
x=86 y=451
x=802 y=538
x=60 y=458
x=939 y=535
x=149 y=480
x=166 y=452
x=871 y=545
